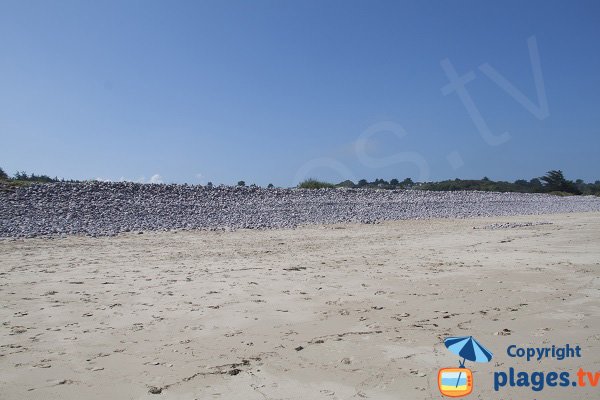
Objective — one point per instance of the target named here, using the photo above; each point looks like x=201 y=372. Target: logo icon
x=458 y=382
x=455 y=382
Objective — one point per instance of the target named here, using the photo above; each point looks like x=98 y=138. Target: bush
x=407 y=182
x=314 y=184
x=241 y=183
x=3 y=174
x=346 y=184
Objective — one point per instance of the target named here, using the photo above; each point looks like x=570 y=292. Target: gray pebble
x=108 y=208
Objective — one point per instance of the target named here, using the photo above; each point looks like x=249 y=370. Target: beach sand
x=320 y=312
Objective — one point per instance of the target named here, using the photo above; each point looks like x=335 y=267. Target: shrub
x=346 y=184
x=314 y=184
x=407 y=182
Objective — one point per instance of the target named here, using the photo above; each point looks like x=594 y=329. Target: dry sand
x=321 y=312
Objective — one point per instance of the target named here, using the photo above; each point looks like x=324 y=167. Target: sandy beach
x=346 y=311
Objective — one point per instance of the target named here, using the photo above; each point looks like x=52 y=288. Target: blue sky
x=274 y=91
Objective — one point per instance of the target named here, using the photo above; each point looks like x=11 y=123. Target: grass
x=12 y=185
x=561 y=194
x=315 y=184
x=15 y=183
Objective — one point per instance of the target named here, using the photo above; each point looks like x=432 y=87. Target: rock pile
x=511 y=225
x=101 y=209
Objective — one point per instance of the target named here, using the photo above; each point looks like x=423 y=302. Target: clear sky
x=274 y=91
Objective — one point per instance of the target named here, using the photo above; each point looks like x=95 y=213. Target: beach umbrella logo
x=458 y=382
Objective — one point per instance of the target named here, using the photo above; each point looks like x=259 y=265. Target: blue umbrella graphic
x=469 y=349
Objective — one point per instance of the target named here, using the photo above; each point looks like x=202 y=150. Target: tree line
x=553 y=182
x=22 y=176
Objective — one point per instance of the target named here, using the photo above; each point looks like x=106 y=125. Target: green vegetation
x=378 y=184
x=554 y=182
x=363 y=183
x=314 y=184
x=22 y=178
x=484 y=185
